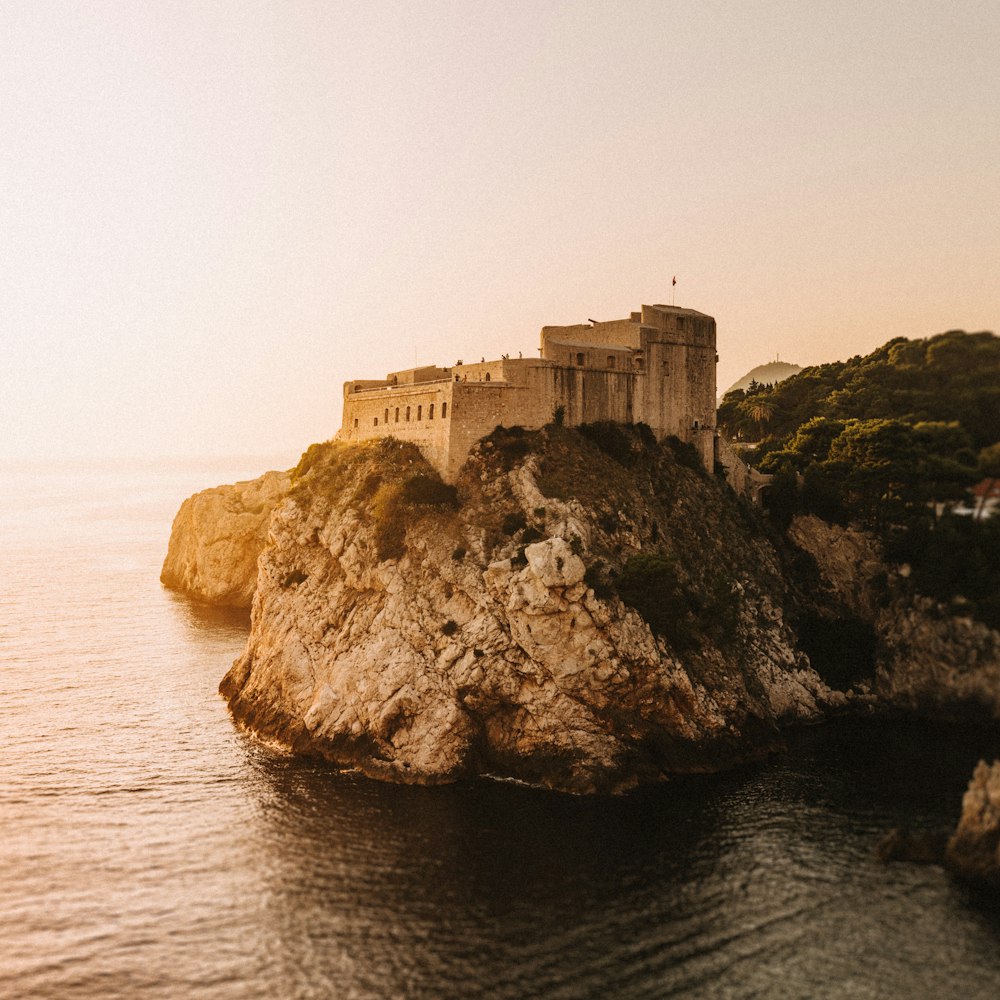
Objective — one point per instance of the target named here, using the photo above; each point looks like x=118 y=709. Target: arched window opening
x=487 y=376
x=444 y=410
x=397 y=414
x=430 y=412
x=420 y=413
x=407 y=414
x=579 y=359
x=386 y=415
x=376 y=421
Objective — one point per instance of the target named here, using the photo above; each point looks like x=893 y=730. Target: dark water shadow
x=200 y=619
x=695 y=888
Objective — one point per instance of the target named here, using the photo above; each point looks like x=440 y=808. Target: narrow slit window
x=579 y=360
x=430 y=412
x=407 y=414
x=376 y=421
x=444 y=410
x=397 y=414
x=420 y=413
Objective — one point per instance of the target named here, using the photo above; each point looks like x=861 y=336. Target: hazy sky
x=213 y=213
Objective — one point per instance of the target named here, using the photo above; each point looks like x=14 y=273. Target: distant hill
x=769 y=374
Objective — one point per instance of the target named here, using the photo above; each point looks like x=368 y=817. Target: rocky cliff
x=973 y=852
x=217 y=537
x=422 y=633
x=582 y=610
x=907 y=651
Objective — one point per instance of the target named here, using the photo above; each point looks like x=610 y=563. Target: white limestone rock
x=217 y=537
x=439 y=665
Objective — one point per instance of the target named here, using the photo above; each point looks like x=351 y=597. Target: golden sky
x=211 y=214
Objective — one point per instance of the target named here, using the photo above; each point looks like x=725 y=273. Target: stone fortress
x=657 y=367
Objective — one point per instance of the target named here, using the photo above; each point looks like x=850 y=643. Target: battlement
x=657 y=367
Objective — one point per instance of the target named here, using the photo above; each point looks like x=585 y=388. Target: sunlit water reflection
x=148 y=849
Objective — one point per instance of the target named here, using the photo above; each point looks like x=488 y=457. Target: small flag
x=674 y=282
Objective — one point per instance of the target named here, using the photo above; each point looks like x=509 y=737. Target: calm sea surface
x=148 y=849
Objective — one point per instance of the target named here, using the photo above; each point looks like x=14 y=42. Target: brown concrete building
x=657 y=367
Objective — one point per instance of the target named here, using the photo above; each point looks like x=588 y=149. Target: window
x=355 y=422
x=638 y=364
x=386 y=415
x=611 y=361
x=420 y=412
x=397 y=414
x=579 y=360
x=430 y=412
x=407 y=414
x=376 y=421
x=444 y=410
x=487 y=376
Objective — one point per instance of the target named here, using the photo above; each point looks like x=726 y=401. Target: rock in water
x=973 y=851
x=217 y=537
x=423 y=635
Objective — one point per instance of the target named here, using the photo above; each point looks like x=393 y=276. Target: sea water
x=150 y=849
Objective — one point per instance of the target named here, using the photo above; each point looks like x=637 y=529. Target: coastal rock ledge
x=422 y=633
x=973 y=852
x=217 y=537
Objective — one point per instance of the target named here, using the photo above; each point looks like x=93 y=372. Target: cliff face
x=421 y=637
x=216 y=538
x=922 y=660
x=974 y=850
x=581 y=611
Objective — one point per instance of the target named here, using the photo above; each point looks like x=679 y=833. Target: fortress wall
x=477 y=408
x=512 y=370
x=621 y=332
x=431 y=434
x=594 y=356
x=413 y=376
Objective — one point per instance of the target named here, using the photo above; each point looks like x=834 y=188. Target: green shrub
x=513 y=523
x=594 y=578
x=612 y=439
x=309 y=458
x=684 y=453
x=389 y=526
x=430 y=491
x=649 y=583
x=368 y=487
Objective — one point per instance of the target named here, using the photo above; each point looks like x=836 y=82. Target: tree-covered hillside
x=893 y=441
x=953 y=376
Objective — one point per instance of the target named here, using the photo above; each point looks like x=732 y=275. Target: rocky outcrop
x=973 y=852
x=422 y=636
x=217 y=537
x=924 y=659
